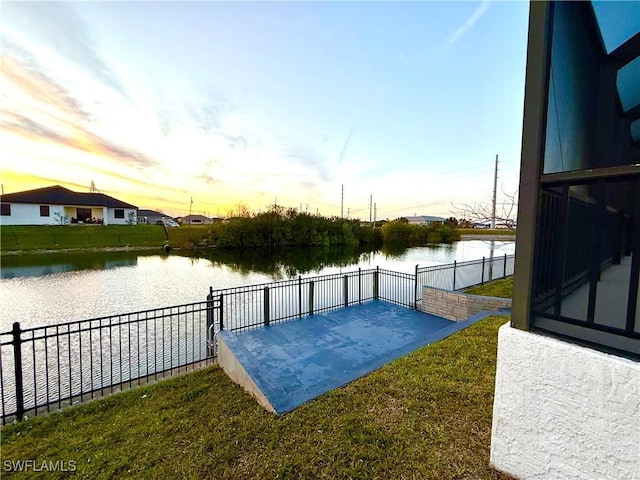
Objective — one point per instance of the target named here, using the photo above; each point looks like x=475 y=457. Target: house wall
x=112 y=220
x=564 y=411
x=29 y=214
x=458 y=306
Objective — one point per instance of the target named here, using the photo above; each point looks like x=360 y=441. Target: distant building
x=425 y=220
x=150 y=216
x=58 y=206
x=196 y=220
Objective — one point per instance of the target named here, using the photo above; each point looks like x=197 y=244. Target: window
x=5 y=209
x=118 y=213
x=44 y=210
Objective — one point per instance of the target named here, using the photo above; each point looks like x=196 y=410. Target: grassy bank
x=499 y=288
x=61 y=237
x=426 y=415
x=486 y=231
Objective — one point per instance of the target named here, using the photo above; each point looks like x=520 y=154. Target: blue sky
x=253 y=103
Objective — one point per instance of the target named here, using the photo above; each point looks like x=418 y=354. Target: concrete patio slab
x=287 y=364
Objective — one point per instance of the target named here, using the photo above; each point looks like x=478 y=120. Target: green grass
x=486 y=231
x=424 y=416
x=498 y=288
x=60 y=237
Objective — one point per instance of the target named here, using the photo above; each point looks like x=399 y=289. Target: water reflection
x=39 y=265
x=287 y=263
x=55 y=288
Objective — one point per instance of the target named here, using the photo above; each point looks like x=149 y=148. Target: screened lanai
x=578 y=248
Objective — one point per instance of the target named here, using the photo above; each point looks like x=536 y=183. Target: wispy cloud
x=477 y=14
x=57 y=117
x=58 y=26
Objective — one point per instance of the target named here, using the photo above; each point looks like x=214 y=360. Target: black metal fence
x=49 y=367
x=579 y=236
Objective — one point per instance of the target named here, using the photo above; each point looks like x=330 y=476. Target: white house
x=425 y=220
x=58 y=206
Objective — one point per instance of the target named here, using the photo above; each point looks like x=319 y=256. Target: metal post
x=266 y=306
x=376 y=276
x=454 y=275
x=300 y=296
x=221 y=312
x=504 y=271
x=345 y=290
x=17 y=361
x=210 y=317
x=482 y=277
x=311 y=297
x=415 y=289
x=359 y=285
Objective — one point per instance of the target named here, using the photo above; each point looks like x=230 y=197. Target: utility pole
x=375 y=214
x=370 y=208
x=342 y=202
x=495 y=191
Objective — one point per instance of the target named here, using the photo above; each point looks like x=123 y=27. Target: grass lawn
x=427 y=415
x=424 y=416
x=498 y=288
x=486 y=231
x=59 y=237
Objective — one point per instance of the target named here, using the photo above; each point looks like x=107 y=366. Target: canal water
x=49 y=289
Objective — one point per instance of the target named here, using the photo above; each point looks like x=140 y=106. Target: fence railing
x=46 y=368
x=49 y=367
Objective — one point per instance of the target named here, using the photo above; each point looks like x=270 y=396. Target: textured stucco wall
x=458 y=306
x=562 y=411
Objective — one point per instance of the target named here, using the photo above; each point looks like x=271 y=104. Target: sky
x=210 y=107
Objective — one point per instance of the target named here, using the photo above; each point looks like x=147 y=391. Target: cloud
x=56 y=25
x=21 y=70
x=343 y=152
x=468 y=25
x=57 y=117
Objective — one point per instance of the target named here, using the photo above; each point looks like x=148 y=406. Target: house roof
x=58 y=195
x=194 y=217
x=150 y=213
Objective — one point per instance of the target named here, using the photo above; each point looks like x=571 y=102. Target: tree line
x=286 y=227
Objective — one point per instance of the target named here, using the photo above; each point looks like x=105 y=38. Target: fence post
x=415 y=289
x=454 y=275
x=311 y=297
x=376 y=277
x=221 y=311
x=504 y=271
x=210 y=318
x=345 y=290
x=266 y=306
x=482 y=277
x=17 y=361
x=359 y=285
x=300 y=296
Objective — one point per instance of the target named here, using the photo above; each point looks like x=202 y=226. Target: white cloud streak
x=468 y=25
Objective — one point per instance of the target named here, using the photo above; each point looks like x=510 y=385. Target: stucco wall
x=458 y=306
x=562 y=411
x=27 y=214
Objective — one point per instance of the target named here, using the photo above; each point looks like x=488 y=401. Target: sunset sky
x=225 y=103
